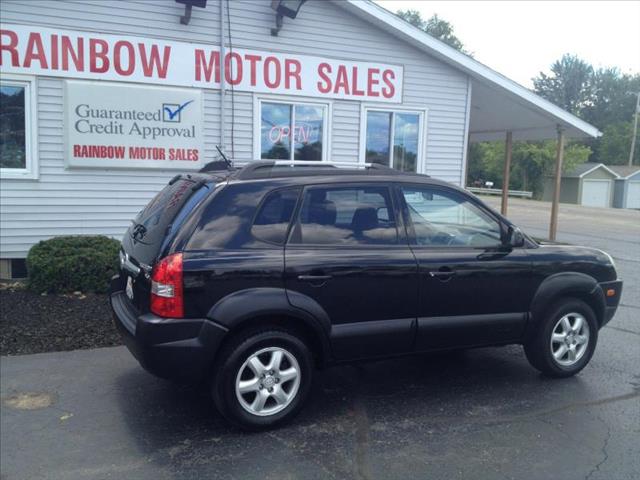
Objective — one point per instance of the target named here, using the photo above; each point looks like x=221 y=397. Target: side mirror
x=515 y=237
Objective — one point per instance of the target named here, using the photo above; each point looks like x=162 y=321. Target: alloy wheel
x=268 y=381
x=569 y=339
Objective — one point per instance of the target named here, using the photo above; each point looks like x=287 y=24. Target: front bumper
x=180 y=349
x=610 y=302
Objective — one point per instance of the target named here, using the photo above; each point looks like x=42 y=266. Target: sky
x=522 y=38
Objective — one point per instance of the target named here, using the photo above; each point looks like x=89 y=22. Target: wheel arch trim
x=567 y=284
x=238 y=308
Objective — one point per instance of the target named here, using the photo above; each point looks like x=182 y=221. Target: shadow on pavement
x=351 y=409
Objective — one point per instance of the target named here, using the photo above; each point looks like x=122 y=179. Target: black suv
x=250 y=278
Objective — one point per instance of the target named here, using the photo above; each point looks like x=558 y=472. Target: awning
x=498 y=104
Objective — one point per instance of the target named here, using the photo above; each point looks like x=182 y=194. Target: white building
x=103 y=100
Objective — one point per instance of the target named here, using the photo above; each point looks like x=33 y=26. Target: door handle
x=442 y=275
x=314 y=278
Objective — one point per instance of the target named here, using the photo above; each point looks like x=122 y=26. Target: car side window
x=360 y=215
x=273 y=218
x=442 y=218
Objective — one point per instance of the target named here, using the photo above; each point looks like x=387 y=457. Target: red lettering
x=267 y=78
x=98 y=54
x=35 y=51
x=354 y=83
x=253 y=60
x=341 y=80
x=324 y=86
x=229 y=70
x=77 y=55
x=207 y=68
x=146 y=153
x=54 y=52
x=187 y=154
x=10 y=47
x=371 y=82
x=387 y=77
x=292 y=68
x=98 y=151
x=152 y=61
x=117 y=58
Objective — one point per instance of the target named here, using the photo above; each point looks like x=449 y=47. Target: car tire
x=560 y=347
x=251 y=389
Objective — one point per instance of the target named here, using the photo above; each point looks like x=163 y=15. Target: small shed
x=589 y=184
x=626 y=192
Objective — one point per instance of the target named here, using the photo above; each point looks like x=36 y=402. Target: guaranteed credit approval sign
x=115 y=125
x=88 y=55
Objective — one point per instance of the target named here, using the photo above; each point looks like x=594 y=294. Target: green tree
x=434 y=26
x=570 y=84
x=611 y=100
x=531 y=162
x=602 y=97
x=615 y=143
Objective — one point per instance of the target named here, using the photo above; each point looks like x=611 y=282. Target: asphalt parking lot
x=479 y=414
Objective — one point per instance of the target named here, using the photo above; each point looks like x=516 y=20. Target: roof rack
x=251 y=169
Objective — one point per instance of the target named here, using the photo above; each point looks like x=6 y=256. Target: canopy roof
x=498 y=104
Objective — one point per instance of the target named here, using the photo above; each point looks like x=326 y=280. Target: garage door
x=595 y=193
x=633 y=195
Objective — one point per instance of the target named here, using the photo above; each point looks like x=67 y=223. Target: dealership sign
x=89 y=55
x=110 y=125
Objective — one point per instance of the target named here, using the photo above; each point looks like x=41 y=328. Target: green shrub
x=72 y=263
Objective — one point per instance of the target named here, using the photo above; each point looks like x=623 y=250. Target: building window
x=394 y=138
x=17 y=127
x=293 y=131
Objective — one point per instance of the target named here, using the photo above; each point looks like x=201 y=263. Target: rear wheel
x=565 y=340
x=263 y=378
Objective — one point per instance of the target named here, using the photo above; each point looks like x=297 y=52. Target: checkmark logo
x=171 y=111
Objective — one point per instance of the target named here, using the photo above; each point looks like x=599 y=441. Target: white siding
x=77 y=201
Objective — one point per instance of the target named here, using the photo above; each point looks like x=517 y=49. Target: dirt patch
x=29 y=401
x=34 y=323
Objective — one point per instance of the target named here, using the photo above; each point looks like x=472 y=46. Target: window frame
x=30 y=172
x=408 y=222
x=258 y=100
x=422 y=129
x=398 y=215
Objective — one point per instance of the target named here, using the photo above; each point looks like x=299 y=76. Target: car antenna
x=224 y=157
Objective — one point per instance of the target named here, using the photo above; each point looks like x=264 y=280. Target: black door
x=346 y=255
x=473 y=291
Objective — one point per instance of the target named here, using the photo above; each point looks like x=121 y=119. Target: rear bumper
x=179 y=349
x=611 y=302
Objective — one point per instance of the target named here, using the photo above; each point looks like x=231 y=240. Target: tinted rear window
x=150 y=227
x=272 y=221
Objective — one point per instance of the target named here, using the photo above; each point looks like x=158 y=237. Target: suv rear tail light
x=167 y=299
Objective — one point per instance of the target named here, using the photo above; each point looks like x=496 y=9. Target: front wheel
x=263 y=379
x=565 y=339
